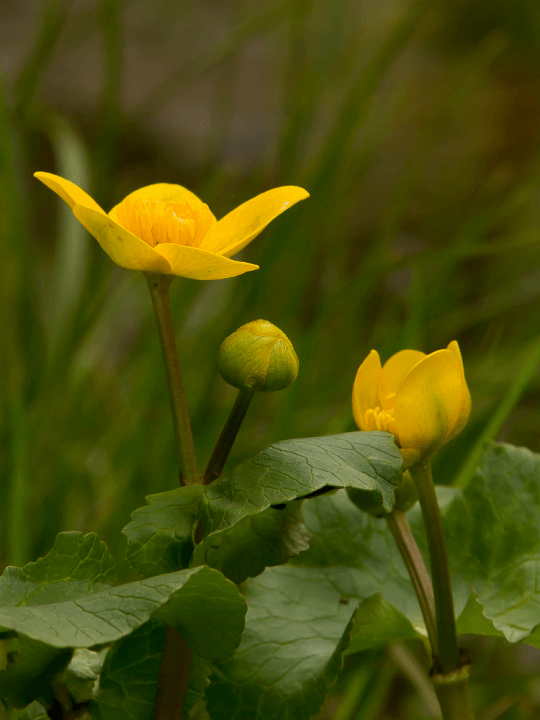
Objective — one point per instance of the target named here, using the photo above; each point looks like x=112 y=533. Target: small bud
x=258 y=356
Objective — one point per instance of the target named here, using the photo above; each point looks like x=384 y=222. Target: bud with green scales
x=259 y=357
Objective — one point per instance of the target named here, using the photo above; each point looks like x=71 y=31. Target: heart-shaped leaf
x=297 y=628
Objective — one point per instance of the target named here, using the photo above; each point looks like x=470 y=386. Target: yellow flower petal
x=428 y=402
x=192 y=262
x=126 y=249
x=366 y=383
x=68 y=191
x=164 y=192
x=233 y=232
x=394 y=371
x=465 y=401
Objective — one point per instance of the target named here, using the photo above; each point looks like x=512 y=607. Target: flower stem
x=440 y=573
x=453 y=694
x=173 y=677
x=401 y=530
x=185 y=450
x=228 y=436
x=176 y=657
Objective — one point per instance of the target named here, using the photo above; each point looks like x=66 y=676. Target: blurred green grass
x=414 y=126
x=421 y=228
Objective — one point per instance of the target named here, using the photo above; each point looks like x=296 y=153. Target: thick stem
x=173 y=677
x=440 y=572
x=453 y=694
x=228 y=436
x=185 y=450
x=401 y=530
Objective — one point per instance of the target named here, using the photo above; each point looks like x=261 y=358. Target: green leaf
x=376 y=622
x=256 y=542
x=291 y=652
x=295 y=468
x=128 y=682
x=360 y=555
x=492 y=531
x=9 y=645
x=189 y=599
x=493 y=537
x=206 y=607
x=160 y=535
x=209 y=612
x=34 y=711
x=32 y=672
x=130 y=674
x=82 y=674
x=76 y=565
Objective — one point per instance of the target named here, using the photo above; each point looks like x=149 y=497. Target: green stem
x=453 y=694
x=440 y=572
x=410 y=552
x=176 y=657
x=228 y=436
x=185 y=450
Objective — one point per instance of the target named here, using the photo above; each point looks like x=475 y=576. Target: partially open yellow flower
x=422 y=399
x=166 y=229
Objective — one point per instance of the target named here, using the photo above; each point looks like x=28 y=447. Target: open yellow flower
x=422 y=399
x=166 y=229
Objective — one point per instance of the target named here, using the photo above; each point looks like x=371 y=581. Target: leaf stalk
x=410 y=552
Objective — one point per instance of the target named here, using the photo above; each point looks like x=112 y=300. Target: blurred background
x=415 y=126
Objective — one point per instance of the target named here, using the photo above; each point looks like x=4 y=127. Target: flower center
x=154 y=221
x=378 y=419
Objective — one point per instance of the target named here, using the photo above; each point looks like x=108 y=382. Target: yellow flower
x=422 y=399
x=166 y=229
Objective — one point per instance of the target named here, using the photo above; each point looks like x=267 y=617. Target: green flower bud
x=258 y=356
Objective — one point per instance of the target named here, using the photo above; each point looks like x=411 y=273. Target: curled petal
x=192 y=262
x=233 y=232
x=365 y=389
x=465 y=400
x=428 y=402
x=124 y=248
x=68 y=191
x=394 y=371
